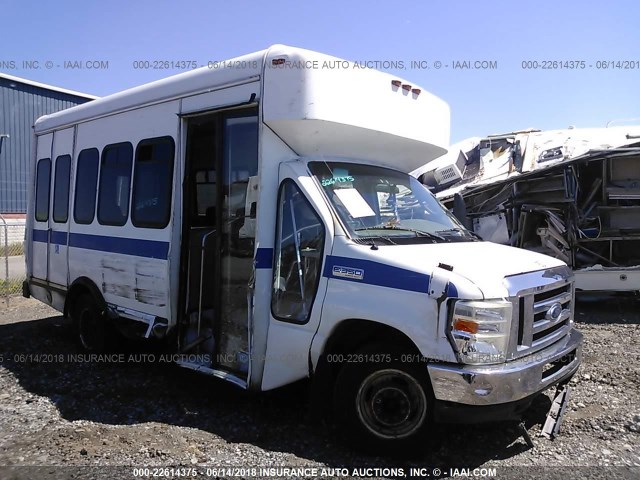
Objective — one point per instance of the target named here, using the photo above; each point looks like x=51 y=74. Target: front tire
x=385 y=405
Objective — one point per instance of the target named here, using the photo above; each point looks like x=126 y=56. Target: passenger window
x=115 y=184
x=43 y=183
x=84 y=209
x=61 y=189
x=152 y=182
x=298 y=256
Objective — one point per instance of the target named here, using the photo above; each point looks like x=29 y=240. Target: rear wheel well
x=83 y=286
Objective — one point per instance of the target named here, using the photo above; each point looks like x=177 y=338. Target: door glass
x=201 y=217
x=239 y=197
x=298 y=258
x=43 y=181
x=220 y=210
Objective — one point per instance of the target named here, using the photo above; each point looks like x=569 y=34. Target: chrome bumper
x=511 y=381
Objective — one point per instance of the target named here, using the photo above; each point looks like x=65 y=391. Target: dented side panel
x=132 y=282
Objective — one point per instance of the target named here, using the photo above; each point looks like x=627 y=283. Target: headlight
x=480 y=330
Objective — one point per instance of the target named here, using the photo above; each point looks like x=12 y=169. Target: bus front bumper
x=503 y=391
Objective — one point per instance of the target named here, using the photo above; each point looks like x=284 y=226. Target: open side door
x=221 y=168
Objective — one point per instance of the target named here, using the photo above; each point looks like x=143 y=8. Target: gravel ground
x=140 y=413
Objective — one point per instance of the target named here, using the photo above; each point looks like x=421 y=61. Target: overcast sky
x=503 y=34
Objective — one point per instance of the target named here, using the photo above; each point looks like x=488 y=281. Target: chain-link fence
x=12 y=270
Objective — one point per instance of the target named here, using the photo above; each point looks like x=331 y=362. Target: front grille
x=543 y=335
x=542 y=315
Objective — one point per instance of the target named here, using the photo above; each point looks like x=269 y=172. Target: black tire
x=384 y=404
x=89 y=325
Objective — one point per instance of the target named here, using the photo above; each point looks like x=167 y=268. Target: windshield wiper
x=370 y=240
x=419 y=233
x=463 y=231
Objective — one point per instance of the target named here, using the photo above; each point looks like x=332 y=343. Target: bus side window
x=115 y=184
x=84 y=209
x=61 y=189
x=152 y=181
x=43 y=185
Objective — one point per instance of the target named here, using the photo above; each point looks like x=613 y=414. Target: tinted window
x=152 y=183
x=61 y=189
x=86 y=183
x=43 y=181
x=115 y=184
x=298 y=256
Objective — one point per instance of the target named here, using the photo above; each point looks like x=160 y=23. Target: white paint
x=599 y=278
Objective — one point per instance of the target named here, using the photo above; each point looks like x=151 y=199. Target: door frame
x=58 y=236
x=218 y=116
x=284 y=367
x=39 y=257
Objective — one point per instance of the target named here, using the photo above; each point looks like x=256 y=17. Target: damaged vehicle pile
x=573 y=194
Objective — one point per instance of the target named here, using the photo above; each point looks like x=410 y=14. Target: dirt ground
x=66 y=416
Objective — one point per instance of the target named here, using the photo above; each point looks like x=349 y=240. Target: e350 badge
x=348 y=272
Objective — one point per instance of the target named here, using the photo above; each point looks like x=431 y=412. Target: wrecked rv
x=573 y=194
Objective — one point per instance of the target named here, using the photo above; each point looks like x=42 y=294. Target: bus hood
x=484 y=264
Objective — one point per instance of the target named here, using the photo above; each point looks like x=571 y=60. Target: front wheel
x=385 y=405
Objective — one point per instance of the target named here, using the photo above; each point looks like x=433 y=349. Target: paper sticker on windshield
x=348 y=272
x=354 y=203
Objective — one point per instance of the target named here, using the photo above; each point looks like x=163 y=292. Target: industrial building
x=21 y=103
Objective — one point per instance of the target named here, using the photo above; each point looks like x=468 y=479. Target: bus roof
x=317 y=104
x=199 y=80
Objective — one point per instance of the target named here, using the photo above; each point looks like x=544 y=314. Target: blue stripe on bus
x=264 y=258
x=58 y=238
x=129 y=246
x=363 y=271
x=40 y=236
x=374 y=273
x=101 y=243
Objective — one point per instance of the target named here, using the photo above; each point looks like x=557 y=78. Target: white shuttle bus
x=259 y=216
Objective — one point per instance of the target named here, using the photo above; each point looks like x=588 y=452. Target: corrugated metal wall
x=20 y=106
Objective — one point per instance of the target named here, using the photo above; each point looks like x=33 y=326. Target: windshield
x=379 y=202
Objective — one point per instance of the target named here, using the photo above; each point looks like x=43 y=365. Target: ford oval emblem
x=554 y=311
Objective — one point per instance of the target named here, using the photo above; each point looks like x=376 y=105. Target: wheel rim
x=88 y=327
x=391 y=404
